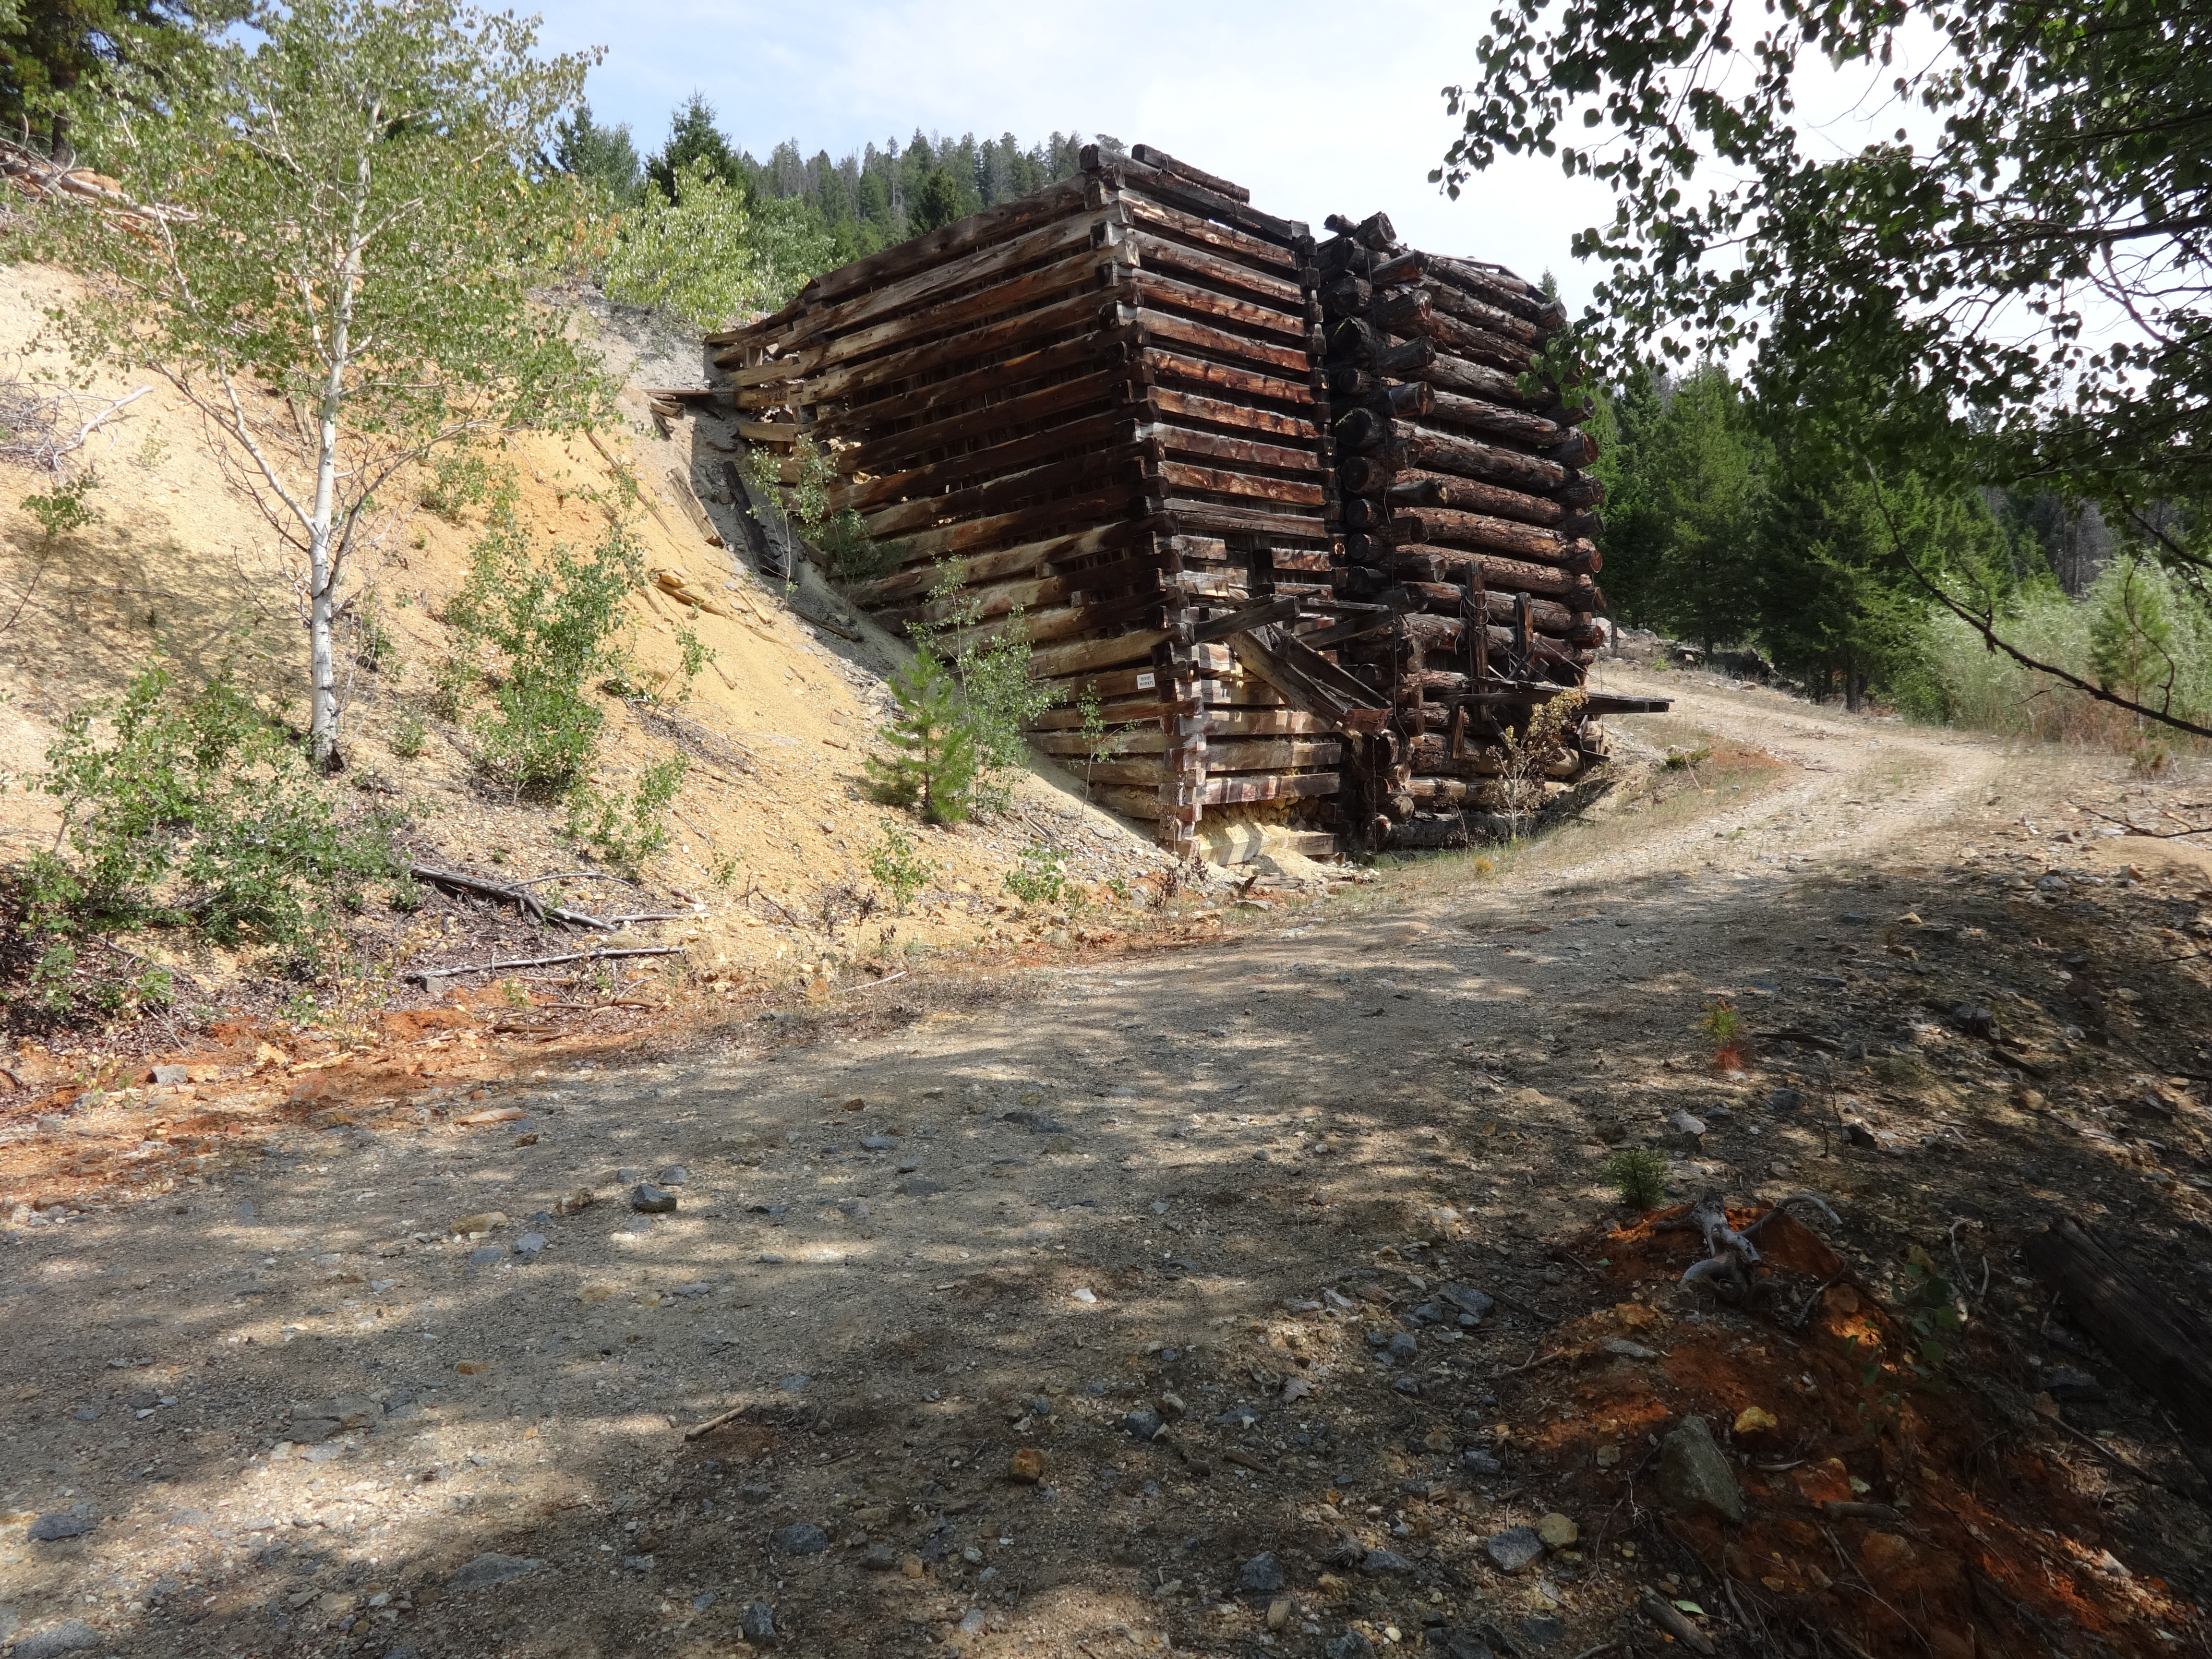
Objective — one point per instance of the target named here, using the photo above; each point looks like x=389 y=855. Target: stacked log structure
x=1466 y=504
x=1097 y=415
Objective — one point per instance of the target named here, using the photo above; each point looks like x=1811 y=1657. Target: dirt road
x=1180 y=1225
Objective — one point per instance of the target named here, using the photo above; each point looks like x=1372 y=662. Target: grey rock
x=167 y=1076
x=1787 y=1100
x=88 y=1412
x=1975 y=1021
x=48 y=1528
x=758 y=1623
x=1694 y=1475
x=487 y=1256
x=920 y=1187
x=625 y=1176
x=880 y=1558
x=674 y=1175
x=1381 y=1561
x=909 y=1165
x=529 y=1244
x=1145 y=1425
x=1262 y=1572
x=491 y=1568
x=1538 y=1632
x=403 y=1653
x=245 y=1212
x=1402 y=1348
x=1405 y=1385
x=1467 y=1300
x=1621 y=1348
x=852 y=1209
x=75 y=1636
x=1683 y=1124
x=1350 y=1645
x=1855 y=918
x=800 y=1538
x=795 y=1382
x=1514 y=1548
x=648 y=1200
x=1481 y=1462
x=638 y=1563
x=878 y=1143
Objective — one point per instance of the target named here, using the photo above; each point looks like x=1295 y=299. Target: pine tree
x=932 y=761
x=938 y=204
x=604 y=155
x=693 y=137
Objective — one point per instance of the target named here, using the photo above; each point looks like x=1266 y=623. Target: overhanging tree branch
x=1985 y=625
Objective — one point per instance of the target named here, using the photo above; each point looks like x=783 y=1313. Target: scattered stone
x=1540 y=1632
x=674 y=1175
x=1406 y=1385
x=1975 y=1021
x=1262 y=1573
x=1402 y=1348
x=1694 y=1475
x=1786 y=1100
x=1026 y=1465
x=1278 y=1612
x=487 y=1256
x=2079 y=1386
x=169 y=1076
x=50 y=1528
x=472 y=1367
x=1479 y=1462
x=852 y=1209
x=625 y=1176
x=880 y=1558
x=648 y=1200
x=1608 y=1457
x=638 y=1563
x=75 y=1636
x=758 y=1623
x=910 y=1565
x=923 y=1187
x=485 y=1221
x=799 y=1538
x=1556 y=1531
x=1085 y=1295
x=1350 y=1645
x=878 y=1143
x=529 y=1245
x=1145 y=1425
x=795 y=1382
x=1514 y=1548
x=491 y=1568
x=1755 y=1419
x=1381 y=1561
x=1621 y=1348
x=1470 y=1302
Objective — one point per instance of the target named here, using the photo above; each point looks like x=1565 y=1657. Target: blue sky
x=1236 y=87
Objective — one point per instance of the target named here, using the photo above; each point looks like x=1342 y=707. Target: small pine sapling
x=1730 y=1037
x=932 y=763
x=1640 y=1175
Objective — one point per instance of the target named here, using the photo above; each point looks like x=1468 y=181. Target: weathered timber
x=1077 y=313
x=1120 y=173
x=1163 y=253
x=1469 y=458
x=1154 y=157
x=1448 y=297
x=2165 y=1347
x=1472 y=380
x=1250 y=389
x=1152 y=328
x=1249 y=617
x=1053 y=242
x=995 y=380
x=1240 y=453
x=1415 y=488
x=1079 y=271
x=1071 y=440
x=1011 y=561
x=1224 y=240
x=970 y=426
x=1308 y=681
x=1295 y=492
x=1502 y=288
x=1085 y=655
x=1451 y=527
x=1165 y=404
x=1516 y=426
x=1149 y=289
x=977 y=230
x=1011 y=490
x=1020 y=524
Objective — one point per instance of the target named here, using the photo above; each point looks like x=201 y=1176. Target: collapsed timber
x=1278 y=518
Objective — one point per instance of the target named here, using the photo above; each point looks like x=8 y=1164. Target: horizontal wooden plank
x=1150 y=289
x=924 y=289
x=990 y=567
x=1179 y=475
x=1144 y=804
x=1019 y=488
x=1244 y=791
x=1017 y=524
x=1224 y=240
x=1161 y=253
x=1235 y=453
x=1081 y=656
x=1249 y=389
x=1097 y=392
x=880 y=407
x=1298 y=430
x=1152 y=329
x=1073 y=317
x=1076 y=274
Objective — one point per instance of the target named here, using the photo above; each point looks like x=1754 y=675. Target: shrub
x=999 y=692
x=197 y=811
x=1041 y=877
x=553 y=621
x=839 y=534
x=1532 y=752
x=1730 y=1037
x=898 y=868
x=410 y=737
x=628 y=832
x=1640 y=1175
x=709 y=255
x=461 y=479
x=62 y=510
x=932 y=763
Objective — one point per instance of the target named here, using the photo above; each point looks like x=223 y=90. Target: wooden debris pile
x=1186 y=454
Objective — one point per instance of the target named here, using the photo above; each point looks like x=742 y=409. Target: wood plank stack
x=1466 y=503
x=1090 y=414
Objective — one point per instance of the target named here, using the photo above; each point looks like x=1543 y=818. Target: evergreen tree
x=61 y=60
x=694 y=138
x=604 y=155
x=937 y=203
x=932 y=763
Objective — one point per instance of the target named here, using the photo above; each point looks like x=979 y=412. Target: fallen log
x=2164 y=1347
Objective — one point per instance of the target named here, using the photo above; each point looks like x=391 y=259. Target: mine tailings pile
x=1276 y=514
